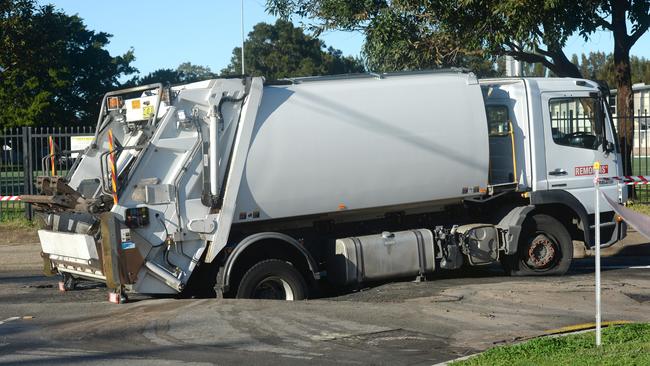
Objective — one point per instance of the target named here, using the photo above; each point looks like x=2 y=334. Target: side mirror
x=608 y=146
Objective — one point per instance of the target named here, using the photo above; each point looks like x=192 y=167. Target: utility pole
x=513 y=67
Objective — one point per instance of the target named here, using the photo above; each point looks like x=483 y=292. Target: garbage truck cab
x=267 y=191
x=565 y=127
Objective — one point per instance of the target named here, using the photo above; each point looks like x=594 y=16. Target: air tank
x=361 y=144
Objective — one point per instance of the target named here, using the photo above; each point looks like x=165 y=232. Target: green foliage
x=53 y=69
x=410 y=34
x=640 y=69
x=183 y=74
x=623 y=345
x=399 y=36
x=600 y=66
x=164 y=76
x=15 y=219
x=643 y=208
x=281 y=50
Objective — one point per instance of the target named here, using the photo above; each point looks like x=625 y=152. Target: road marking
x=9 y=319
x=585 y=326
x=446 y=363
x=621 y=267
x=298 y=357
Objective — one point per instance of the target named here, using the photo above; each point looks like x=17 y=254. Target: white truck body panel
x=333 y=146
x=77 y=246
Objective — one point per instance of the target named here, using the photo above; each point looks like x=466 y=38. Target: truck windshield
x=577 y=122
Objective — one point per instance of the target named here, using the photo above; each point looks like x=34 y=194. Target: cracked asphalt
x=401 y=323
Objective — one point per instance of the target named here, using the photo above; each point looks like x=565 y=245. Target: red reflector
x=116 y=298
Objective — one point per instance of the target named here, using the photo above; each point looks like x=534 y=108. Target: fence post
x=28 y=172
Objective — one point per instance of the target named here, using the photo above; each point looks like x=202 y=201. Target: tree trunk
x=623 y=79
x=624 y=109
x=563 y=66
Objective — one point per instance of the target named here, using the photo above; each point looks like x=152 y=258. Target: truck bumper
x=618 y=230
x=73 y=253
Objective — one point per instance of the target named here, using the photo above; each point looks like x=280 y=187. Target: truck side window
x=498 y=121
x=576 y=122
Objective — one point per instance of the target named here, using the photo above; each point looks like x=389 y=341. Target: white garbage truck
x=270 y=190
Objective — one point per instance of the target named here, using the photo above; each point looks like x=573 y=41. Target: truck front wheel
x=272 y=279
x=545 y=248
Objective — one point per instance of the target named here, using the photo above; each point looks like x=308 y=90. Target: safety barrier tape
x=9 y=198
x=633 y=180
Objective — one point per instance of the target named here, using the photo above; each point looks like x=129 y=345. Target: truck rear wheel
x=545 y=248
x=272 y=279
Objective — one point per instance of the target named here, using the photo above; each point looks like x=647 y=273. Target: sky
x=166 y=33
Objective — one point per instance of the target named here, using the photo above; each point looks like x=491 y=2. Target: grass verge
x=622 y=345
x=643 y=208
x=17 y=230
x=16 y=222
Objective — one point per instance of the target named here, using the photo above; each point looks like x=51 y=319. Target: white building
x=641 y=117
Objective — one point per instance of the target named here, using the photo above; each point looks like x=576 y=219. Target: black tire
x=69 y=282
x=272 y=279
x=545 y=249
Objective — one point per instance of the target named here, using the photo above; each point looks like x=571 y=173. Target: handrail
x=103 y=164
x=514 y=155
x=45 y=161
x=102 y=110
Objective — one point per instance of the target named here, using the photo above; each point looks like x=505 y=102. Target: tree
x=595 y=66
x=164 y=76
x=190 y=73
x=530 y=30
x=281 y=50
x=640 y=70
x=183 y=74
x=600 y=66
x=53 y=70
x=395 y=40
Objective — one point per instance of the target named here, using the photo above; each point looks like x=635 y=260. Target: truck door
x=575 y=129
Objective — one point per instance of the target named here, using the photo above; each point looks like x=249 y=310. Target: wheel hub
x=273 y=288
x=541 y=252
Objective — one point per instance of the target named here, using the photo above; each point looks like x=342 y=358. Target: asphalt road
x=405 y=323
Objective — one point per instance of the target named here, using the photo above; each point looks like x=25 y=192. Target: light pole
x=597 y=245
x=243 y=70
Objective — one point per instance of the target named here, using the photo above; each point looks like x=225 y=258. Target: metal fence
x=21 y=156
x=23 y=150
x=638 y=150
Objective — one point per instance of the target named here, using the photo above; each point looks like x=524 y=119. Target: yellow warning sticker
x=135 y=104
x=147 y=111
